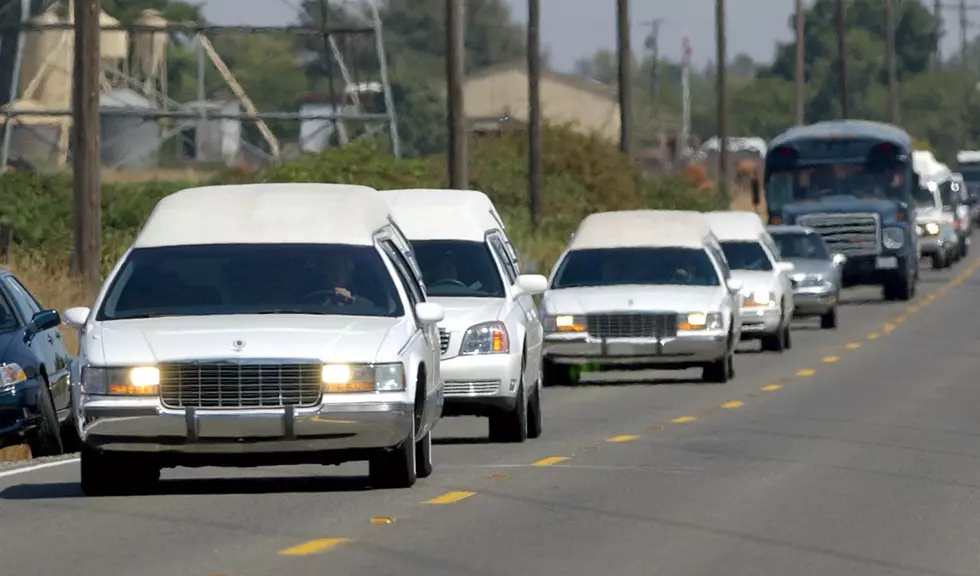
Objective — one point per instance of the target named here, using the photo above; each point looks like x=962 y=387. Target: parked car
x=35 y=394
x=767 y=309
x=491 y=336
x=816 y=275
x=257 y=325
x=642 y=289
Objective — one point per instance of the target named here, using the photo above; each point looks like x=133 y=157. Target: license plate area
x=886 y=262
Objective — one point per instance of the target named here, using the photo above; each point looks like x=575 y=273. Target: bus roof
x=842 y=128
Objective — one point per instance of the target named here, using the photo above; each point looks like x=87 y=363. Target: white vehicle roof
x=927 y=167
x=266 y=214
x=968 y=156
x=641 y=229
x=736 y=225
x=433 y=214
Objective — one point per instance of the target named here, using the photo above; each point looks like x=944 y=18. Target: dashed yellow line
x=830 y=359
x=772 y=387
x=684 y=419
x=548 y=461
x=623 y=438
x=500 y=476
x=318 y=546
x=806 y=373
x=912 y=309
x=450 y=498
x=853 y=345
x=873 y=336
x=382 y=520
x=732 y=404
x=887 y=328
x=900 y=319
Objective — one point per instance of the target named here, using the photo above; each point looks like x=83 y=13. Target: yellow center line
x=853 y=345
x=318 y=546
x=732 y=404
x=499 y=475
x=830 y=359
x=873 y=336
x=450 y=498
x=684 y=419
x=900 y=319
x=887 y=328
x=382 y=520
x=772 y=387
x=547 y=462
x=623 y=438
x=912 y=309
x=806 y=373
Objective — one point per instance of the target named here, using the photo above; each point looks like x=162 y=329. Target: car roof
x=846 y=128
x=266 y=214
x=641 y=229
x=736 y=225
x=443 y=214
x=790 y=229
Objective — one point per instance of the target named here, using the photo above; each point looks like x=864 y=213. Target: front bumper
x=144 y=425
x=474 y=383
x=676 y=352
x=813 y=301
x=757 y=322
x=929 y=245
x=19 y=408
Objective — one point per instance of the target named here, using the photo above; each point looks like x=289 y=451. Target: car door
x=534 y=333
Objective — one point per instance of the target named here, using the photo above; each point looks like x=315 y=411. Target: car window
x=800 y=245
x=323 y=279
x=636 y=266
x=8 y=320
x=458 y=268
x=411 y=285
x=504 y=255
x=719 y=258
x=746 y=256
x=23 y=294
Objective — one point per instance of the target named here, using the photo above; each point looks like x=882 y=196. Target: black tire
x=511 y=427
x=555 y=374
x=534 y=417
x=394 y=468
x=774 y=342
x=939 y=260
x=719 y=371
x=106 y=474
x=731 y=366
x=45 y=440
x=828 y=321
x=787 y=337
x=423 y=456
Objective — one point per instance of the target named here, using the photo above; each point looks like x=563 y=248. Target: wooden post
x=85 y=143
x=534 y=107
x=455 y=69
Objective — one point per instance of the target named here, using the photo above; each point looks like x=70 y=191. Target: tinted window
x=252 y=279
x=746 y=256
x=458 y=268
x=8 y=321
x=636 y=266
x=801 y=246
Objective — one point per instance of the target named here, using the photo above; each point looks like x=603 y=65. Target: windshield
x=636 y=266
x=971 y=173
x=852 y=179
x=923 y=197
x=746 y=256
x=948 y=195
x=252 y=279
x=801 y=245
x=458 y=268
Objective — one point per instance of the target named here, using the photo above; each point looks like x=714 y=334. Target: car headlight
x=347 y=378
x=698 y=321
x=564 y=323
x=932 y=228
x=893 y=238
x=487 y=338
x=758 y=298
x=10 y=375
x=121 y=381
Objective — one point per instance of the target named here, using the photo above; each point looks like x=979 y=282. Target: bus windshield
x=803 y=183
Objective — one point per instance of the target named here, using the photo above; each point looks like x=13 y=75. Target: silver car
x=817 y=273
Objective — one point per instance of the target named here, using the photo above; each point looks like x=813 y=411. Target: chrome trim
x=849 y=233
x=240 y=383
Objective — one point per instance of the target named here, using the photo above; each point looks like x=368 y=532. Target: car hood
x=811 y=266
x=926 y=215
x=753 y=280
x=462 y=313
x=633 y=298
x=323 y=338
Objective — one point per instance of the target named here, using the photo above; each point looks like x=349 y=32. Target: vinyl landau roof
x=443 y=214
x=641 y=229
x=843 y=128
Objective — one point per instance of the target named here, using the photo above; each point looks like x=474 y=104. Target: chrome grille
x=239 y=385
x=443 y=340
x=632 y=325
x=854 y=234
x=486 y=388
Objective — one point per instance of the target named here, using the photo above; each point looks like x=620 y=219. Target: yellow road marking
x=314 y=547
x=706 y=411
x=623 y=438
x=543 y=462
x=887 y=328
x=772 y=387
x=657 y=427
x=830 y=359
x=900 y=319
x=732 y=404
x=591 y=448
x=499 y=475
x=873 y=336
x=683 y=419
x=450 y=498
x=853 y=345
x=912 y=309
x=382 y=520
x=806 y=373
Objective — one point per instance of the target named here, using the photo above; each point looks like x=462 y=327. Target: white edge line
x=22 y=470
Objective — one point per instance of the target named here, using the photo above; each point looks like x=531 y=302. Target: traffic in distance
x=350 y=333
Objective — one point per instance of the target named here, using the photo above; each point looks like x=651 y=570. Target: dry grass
x=163 y=174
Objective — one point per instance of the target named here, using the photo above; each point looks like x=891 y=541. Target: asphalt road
x=857 y=452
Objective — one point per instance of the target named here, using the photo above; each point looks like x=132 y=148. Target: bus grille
x=855 y=234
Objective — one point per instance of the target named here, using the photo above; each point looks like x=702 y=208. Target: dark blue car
x=35 y=395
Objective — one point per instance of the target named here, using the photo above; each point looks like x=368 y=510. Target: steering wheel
x=328 y=295
x=451 y=281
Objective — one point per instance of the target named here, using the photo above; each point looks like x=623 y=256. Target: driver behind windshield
x=336 y=276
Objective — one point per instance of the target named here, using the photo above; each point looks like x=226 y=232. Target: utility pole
x=964 y=24
x=534 y=107
x=686 y=99
x=800 y=63
x=625 y=57
x=455 y=69
x=652 y=44
x=86 y=161
x=937 y=13
x=890 y=57
x=842 y=59
x=721 y=77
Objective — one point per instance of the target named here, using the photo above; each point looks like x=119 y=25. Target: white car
x=767 y=285
x=257 y=325
x=641 y=289
x=491 y=336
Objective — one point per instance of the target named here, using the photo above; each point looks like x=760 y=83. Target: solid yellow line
x=806 y=372
x=314 y=547
x=772 y=387
x=550 y=460
x=732 y=404
x=450 y=497
x=684 y=419
x=830 y=359
x=623 y=438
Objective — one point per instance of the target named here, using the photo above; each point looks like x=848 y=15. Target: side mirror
x=76 y=317
x=532 y=284
x=43 y=320
x=786 y=267
x=734 y=286
x=839 y=259
x=429 y=313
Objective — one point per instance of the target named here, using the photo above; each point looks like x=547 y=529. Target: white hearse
x=258 y=325
x=641 y=289
x=491 y=336
x=767 y=287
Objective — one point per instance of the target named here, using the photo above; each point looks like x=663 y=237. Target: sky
x=573 y=29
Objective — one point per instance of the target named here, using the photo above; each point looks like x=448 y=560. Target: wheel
x=774 y=342
x=395 y=468
x=939 y=260
x=719 y=371
x=829 y=320
x=46 y=438
x=423 y=456
x=106 y=474
x=511 y=427
x=534 y=420
x=555 y=374
x=731 y=366
x=787 y=337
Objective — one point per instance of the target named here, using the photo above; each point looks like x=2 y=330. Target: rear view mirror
x=429 y=313
x=532 y=284
x=786 y=267
x=76 y=317
x=734 y=285
x=839 y=259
